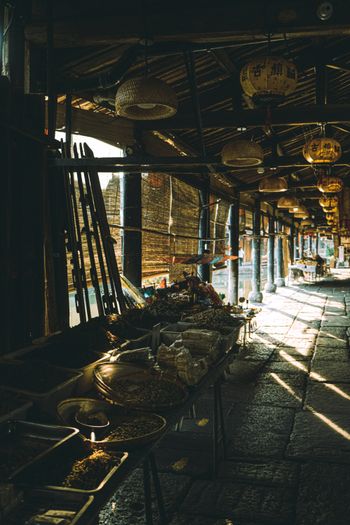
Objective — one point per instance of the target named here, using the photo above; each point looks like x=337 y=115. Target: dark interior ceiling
x=220 y=39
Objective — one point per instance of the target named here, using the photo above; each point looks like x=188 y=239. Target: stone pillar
x=296 y=246
x=233 y=265
x=301 y=249
x=310 y=245
x=270 y=285
x=255 y=295
x=291 y=242
x=130 y=197
x=280 y=281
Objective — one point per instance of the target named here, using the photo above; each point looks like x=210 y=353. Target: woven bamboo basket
x=145 y=98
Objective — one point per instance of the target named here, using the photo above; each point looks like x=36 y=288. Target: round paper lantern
x=273 y=185
x=288 y=202
x=145 y=98
x=327 y=201
x=242 y=153
x=268 y=79
x=322 y=150
x=329 y=184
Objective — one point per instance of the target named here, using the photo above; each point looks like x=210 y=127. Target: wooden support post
x=280 y=281
x=204 y=232
x=270 y=285
x=255 y=295
x=131 y=217
x=233 y=265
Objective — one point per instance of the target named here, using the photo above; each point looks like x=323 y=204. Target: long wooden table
x=145 y=456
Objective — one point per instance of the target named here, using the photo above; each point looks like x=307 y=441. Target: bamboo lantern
x=322 y=150
x=300 y=209
x=273 y=185
x=268 y=79
x=242 y=153
x=306 y=222
x=329 y=184
x=145 y=98
x=288 y=202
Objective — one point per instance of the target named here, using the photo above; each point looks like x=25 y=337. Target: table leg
x=147 y=492
x=158 y=489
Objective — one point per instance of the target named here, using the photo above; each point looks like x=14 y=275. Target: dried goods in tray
x=133 y=387
x=213 y=319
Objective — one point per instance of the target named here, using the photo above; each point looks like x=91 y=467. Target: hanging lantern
x=306 y=222
x=145 y=98
x=273 y=185
x=322 y=150
x=242 y=153
x=330 y=216
x=301 y=215
x=288 y=202
x=329 y=184
x=298 y=210
x=327 y=201
x=268 y=79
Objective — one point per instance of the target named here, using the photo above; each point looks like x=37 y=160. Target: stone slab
x=334 y=332
x=330 y=371
x=296 y=351
x=292 y=366
x=331 y=342
x=321 y=435
x=323 y=496
x=328 y=397
x=240 y=501
x=262 y=472
x=331 y=353
x=271 y=392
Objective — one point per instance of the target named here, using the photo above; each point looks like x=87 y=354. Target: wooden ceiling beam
x=243 y=21
x=285 y=116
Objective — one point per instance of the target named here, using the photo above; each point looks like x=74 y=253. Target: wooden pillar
x=270 y=285
x=255 y=295
x=204 y=231
x=131 y=218
x=233 y=265
x=280 y=281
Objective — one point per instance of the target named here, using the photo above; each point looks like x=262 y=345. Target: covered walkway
x=287 y=405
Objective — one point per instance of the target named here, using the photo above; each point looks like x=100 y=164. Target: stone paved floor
x=287 y=416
